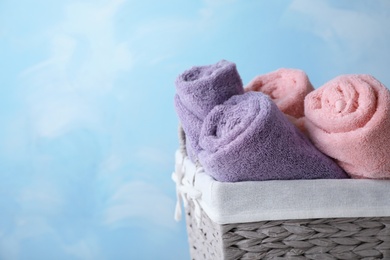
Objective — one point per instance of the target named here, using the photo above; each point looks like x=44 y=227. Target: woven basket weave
x=365 y=238
x=332 y=238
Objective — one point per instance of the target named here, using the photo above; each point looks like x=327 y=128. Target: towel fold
x=286 y=87
x=200 y=89
x=191 y=125
x=247 y=138
x=348 y=118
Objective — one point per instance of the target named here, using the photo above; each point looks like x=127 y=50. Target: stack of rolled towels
x=278 y=127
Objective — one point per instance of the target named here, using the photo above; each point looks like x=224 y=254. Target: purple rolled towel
x=247 y=138
x=200 y=89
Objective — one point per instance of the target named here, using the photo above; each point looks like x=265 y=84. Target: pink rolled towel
x=348 y=119
x=286 y=87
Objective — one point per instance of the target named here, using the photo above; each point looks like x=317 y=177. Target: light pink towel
x=348 y=119
x=286 y=87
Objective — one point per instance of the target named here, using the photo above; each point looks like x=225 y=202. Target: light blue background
x=88 y=128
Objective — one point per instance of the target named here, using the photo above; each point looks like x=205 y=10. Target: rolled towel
x=248 y=138
x=286 y=87
x=348 y=118
x=198 y=90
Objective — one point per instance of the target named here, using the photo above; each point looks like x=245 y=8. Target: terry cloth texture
x=348 y=119
x=242 y=202
x=286 y=87
x=248 y=138
x=191 y=125
x=200 y=89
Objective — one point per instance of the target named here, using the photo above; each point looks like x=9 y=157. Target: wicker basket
x=329 y=238
x=345 y=235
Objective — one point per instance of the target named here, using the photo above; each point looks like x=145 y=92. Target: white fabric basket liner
x=243 y=202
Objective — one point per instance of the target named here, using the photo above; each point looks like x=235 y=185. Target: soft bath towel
x=202 y=87
x=348 y=118
x=247 y=138
x=198 y=90
x=286 y=87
